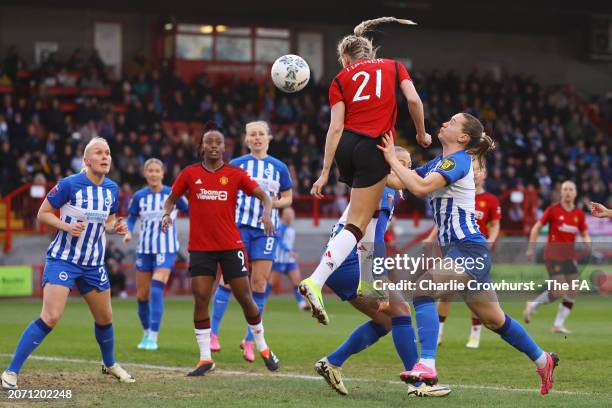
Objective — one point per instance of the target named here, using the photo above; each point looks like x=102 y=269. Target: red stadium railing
x=519 y=208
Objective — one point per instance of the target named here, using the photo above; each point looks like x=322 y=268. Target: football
x=290 y=73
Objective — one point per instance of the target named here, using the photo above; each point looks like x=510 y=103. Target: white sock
x=203 y=339
x=541 y=299
x=441 y=330
x=562 y=314
x=338 y=249
x=258 y=336
x=541 y=361
x=476 y=329
x=147 y=332
x=153 y=335
x=428 y=362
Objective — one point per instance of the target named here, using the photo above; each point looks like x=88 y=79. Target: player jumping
x=363 y=103
x=214 y=240
x=395 y=318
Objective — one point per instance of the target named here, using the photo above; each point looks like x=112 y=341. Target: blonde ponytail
x=367 y=25
x=358 y=47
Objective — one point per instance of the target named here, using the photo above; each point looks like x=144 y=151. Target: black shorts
x=360 y=162
x=566 y=267
x=204 y=263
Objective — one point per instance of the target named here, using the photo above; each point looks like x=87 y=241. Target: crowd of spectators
x=543 y=135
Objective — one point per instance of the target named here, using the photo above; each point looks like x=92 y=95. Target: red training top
x=487 y=210
x=212 y=205
x=564 y=225
x=368 y=90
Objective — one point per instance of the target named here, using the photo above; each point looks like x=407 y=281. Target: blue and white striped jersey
x=273 y=177
x=286 y=241
x=80 y=200
x=149 y=207
x=454 y=205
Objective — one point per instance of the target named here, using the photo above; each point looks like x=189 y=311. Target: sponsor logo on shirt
x=212 y=195
x=198 y=181
x=568 y=228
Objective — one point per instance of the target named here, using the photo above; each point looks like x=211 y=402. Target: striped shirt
x=149 y=207
x=454 y=204
x=286 y=241
x=273 y=177
x=80 y=200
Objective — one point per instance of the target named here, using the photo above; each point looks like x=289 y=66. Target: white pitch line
x=293 y=375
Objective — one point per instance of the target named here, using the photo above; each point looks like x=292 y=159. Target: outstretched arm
x=416 y=184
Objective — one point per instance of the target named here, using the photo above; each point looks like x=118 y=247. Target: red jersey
x=487 y=210
x=368 y=90
x=212 y=205
x=563 y=227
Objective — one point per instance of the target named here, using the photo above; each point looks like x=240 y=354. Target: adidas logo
x=198 y=181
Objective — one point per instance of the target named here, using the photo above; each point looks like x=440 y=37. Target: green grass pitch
x=494 y=375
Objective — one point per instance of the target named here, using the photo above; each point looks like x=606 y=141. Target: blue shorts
x=257 y=244
x=87 y=278
x=284 y=267
x=345 y=280
x=151 y=262
x=476 y=258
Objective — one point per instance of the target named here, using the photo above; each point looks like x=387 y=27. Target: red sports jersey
x=368 y=90
x=487 y=210
x=212 y=205
x=563 y=227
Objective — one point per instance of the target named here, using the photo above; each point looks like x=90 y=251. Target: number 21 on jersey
x=366 y=77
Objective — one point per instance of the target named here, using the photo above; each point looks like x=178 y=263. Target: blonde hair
x=153 y=160
x=358 y=47
x=256 y=122
x=88 y=148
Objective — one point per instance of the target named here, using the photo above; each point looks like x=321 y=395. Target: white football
x=290 y=73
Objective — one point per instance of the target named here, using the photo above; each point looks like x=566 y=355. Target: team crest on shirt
x=447 y=164
x=223 y=180
x=482 y=203
x=576 y=219
x=268 y=172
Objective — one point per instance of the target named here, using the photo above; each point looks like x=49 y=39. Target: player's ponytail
x=367 y=25
x=480 y=143
x=358 y=47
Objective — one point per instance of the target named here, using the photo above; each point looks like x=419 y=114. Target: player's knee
x=258 y=283
x=50 y=317
x=142 y=294
x=493 y=322
x=104 y=319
